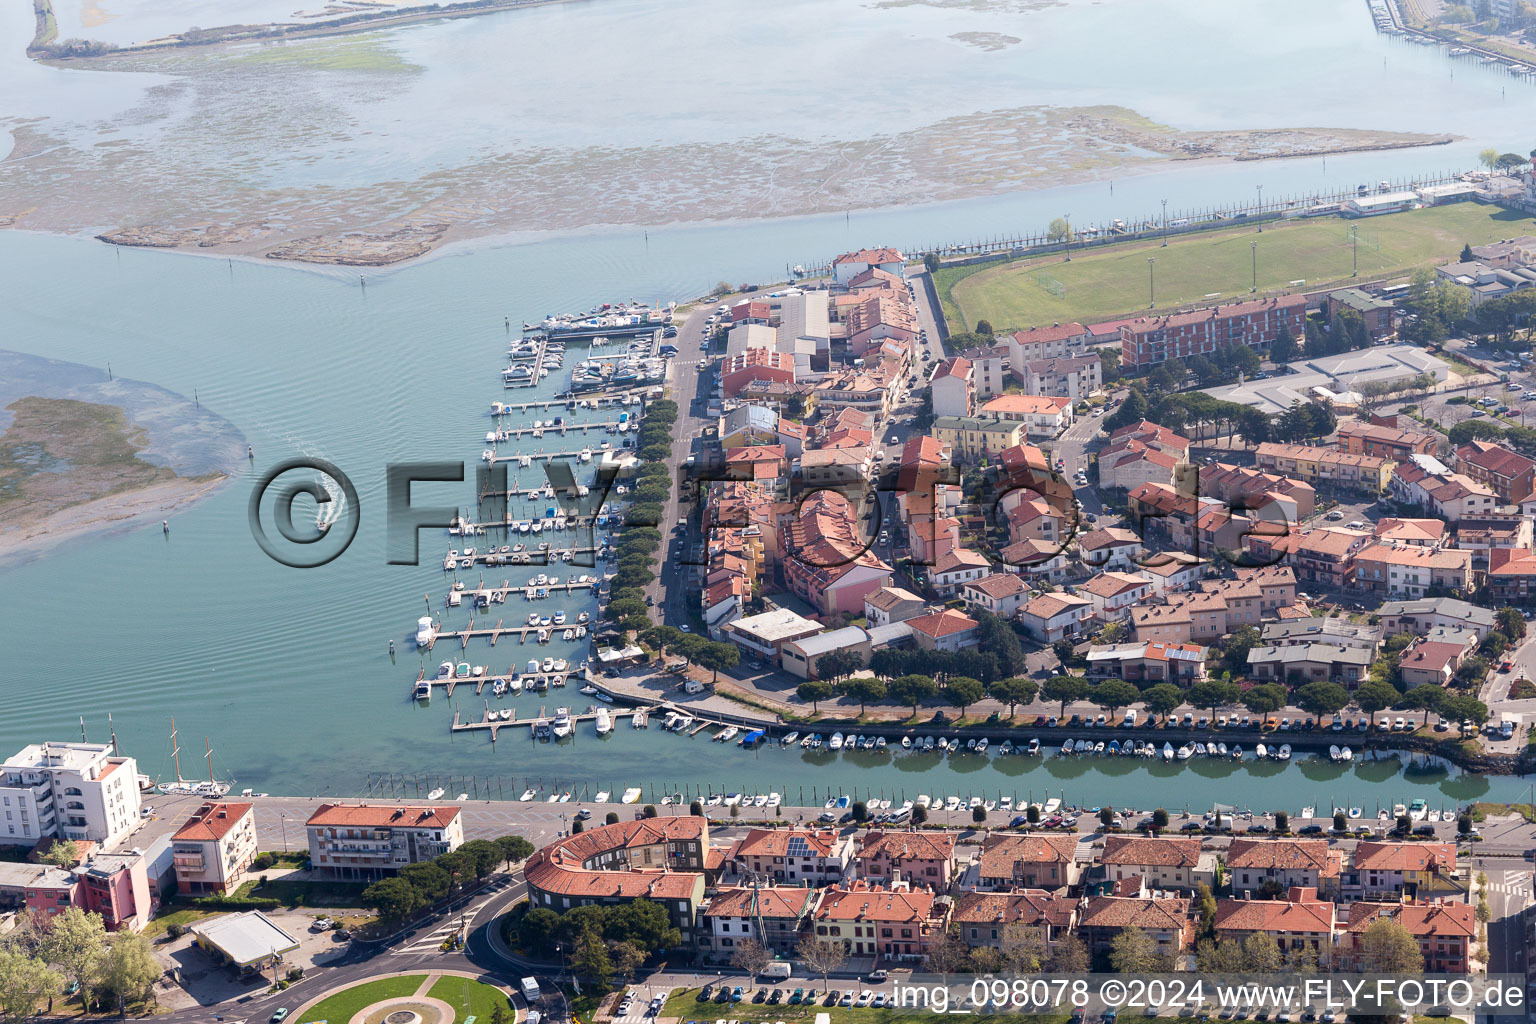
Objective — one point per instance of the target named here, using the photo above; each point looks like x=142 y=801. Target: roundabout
x=417 y=998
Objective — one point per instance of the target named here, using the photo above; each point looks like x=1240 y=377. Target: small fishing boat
x=527 y=796
x=1167 y=751
x=906 y=743
x=836 y=743
x=791 y=738
x=631 y=796
x=436 y=793
x=1034 y=747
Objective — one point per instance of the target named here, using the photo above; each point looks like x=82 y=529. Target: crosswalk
x=425 y=943
x=637 y=1009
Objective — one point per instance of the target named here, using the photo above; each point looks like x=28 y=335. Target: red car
x=1506 y=665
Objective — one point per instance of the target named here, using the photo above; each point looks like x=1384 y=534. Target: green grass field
x=683 y=1005
x=469 y=998
x=1103 y=284
x=340 y=1008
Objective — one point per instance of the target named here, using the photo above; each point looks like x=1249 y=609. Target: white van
x=693 y=686
x=779 y=969
x=1130 y=718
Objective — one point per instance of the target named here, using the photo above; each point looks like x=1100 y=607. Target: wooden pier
x=530 y=723
x=535 y=456
x=496 y=632
x=560 y=428
x=449 y=683
x=545 y=557
x=534 y=362
x=572 y=403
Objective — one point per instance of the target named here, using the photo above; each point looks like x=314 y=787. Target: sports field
x=1105 y=283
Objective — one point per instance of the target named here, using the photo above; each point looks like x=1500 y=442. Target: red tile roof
x=1001 y=852
x=1161 y=851
x=212 y=822
x=940 y=624
x=1392 y=856
x=1280 y=855
x=864 y=902
x=1031 y=906
x=1302 y=912
x=383 y=815
x=901 y=846
x=787 y=903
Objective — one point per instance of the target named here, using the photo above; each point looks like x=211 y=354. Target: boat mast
x=175 y=751
x=209 y=745
x=113 y=730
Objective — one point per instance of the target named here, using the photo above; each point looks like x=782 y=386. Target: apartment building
x=1510 y=474
x=952 y=389
x=792 y=856
x=1421 y=616
x=1031 y=861
x=214 y=848
x=922 y=858
x=68 y=791
x=1326 y=467
x=994 y=918
x=1164 y=862
x=1042 y=415
x=1147 y=341
x=1056 y=341
x=872 y=920
x=366 y=842
x=775 y=917
x=1298 y=921
x=1288 y=863
x=1073 y=377
x=1395 y=443
x=1405 y=571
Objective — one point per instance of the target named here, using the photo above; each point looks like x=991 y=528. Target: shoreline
x=112 y=513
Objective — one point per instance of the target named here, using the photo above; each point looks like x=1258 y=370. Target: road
x=671 y=588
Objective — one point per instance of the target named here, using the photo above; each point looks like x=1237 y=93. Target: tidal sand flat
x=71 y=466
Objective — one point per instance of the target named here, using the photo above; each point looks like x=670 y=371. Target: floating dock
x=530 y=723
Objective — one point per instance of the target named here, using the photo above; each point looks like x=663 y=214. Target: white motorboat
x=1034 y=746
x=791 y=738
x=836 y=742
x=562 y=723
x=1167 y=751
x=527 y=795
x=906 y=743
x=1183 y=752
x=426 y=633
x=435 y=794
x=631 y=796
x=603 y=722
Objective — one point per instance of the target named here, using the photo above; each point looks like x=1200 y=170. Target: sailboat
x=188 y=787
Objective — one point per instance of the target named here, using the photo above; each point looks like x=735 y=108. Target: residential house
x=1373 y=310
x=880 y=318
x=1181 y=618
x=1164 y=918
x=1320 y=629
x=1111 y=548
x=1512 y=576
x=1042 y=416
x=851 y=264
x=1058 y=340
x=1418 y=533
x=1286 y=863
x=77 y=791
x=1052 y=617
x=1000 y=593
x=1452 y=496
x=1113 y=593
x=1511 y=475
x=874 y=921
x=892 y=604
x=946 y=630
x=995 y=918
x=989 y=371
x=1172 y=571
x=1253 y=490
x=1446 y=933
x=1421 y=616
x=1147 y=660
x=762 y=365
x=956 y=567
x=1435 y=661
x=774 y=917
x=214 y=848
x=1327 y=556
x=1298 y=921
x=951 y=388
x=831 y=567
x=1165 y=862
x=1326 y=467
x=1073 y=377
x=1412 y=571
x=921 y=858
x=978 y=437
x=766 y=465
x=1481 y=534
x=1030 y=861
x=792 y=856
x=748 y=425
x=1395 y=443
x=1310 y=662
x=1402 y=870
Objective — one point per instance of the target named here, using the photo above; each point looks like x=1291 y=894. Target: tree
x=1065 y=690
x=1464 y=824
x=1069 y=957
x=1160 y=819
x=1464 y=706
x=25 y=981
x=1263 y=699
x=979 y=814
x=1114 y=694
x=428 y=879
x=1106 y=816
x=1322 y=698
x=865 y=689
x=963 y=691
x=822 y=956
x=1511 y=623
x=948 y=953
x=1339 y=821
x=1235 y=649
x=919 y=814
x=578 y=826
x=651 y=811
x=62 y=854
x=1133 y=951
x=750 y=957
x=514 y=849
x=984 y=327
x=75 y=944
x=1427 y=697
x=129 y=969
x=1213 y=693
x=837 y=664
x=860 y=810
x=611 y=818
x=717 y=656
x=1205 y=907
x=1282 y=821
x=592 y=959
x=1466 y=253
x=1283 y=348
x=931 y=261
x=1388 y=948
x=1132 y=410
x=1473 y=670
x=696 y=809
x=1162 y=698
x=1261 y=955
x=815 y=691
x=1375 y=695
x=482 y=854
x=1022 y=946
x=392 y=898
x=1489 y=158
x=912 y=690
x=1013 y=691
x=1059 y=230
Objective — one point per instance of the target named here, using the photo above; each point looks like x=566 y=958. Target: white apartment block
x=68 y=791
